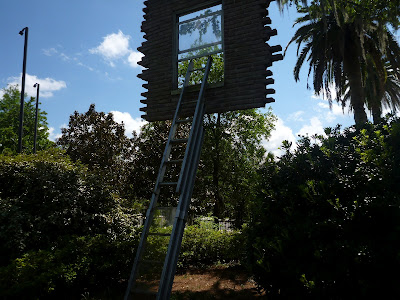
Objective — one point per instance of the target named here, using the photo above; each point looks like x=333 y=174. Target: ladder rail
x=197 y=123
x=185 y=188
x=185 y=185
x=156 y=191
x=167 y=279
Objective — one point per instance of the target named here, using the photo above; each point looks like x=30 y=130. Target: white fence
x=166 y=218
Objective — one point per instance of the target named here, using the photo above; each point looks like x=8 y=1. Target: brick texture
x=247 y=57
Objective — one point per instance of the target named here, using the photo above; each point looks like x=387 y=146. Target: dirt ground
x=214 y=283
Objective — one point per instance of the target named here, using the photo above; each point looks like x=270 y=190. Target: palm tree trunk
x=357 y=97
x=376 y=112
x=352 y=68
x=376 y=105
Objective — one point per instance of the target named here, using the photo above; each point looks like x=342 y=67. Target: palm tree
x=345 y=52
x=334 y=58
x=381 y=76
x=383 y=79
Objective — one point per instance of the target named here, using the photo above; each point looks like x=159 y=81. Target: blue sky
x=84 y=52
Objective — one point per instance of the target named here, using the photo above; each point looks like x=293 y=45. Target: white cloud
x=52 y=135
x=336 y=109
x=133 y=59
x=115 y=46
x=315 y=127
x=296 y=116
x=130 y=123
x=65 y=57
x=50 y=51
x=278 y=135
x=85 y=66
x=330 y=114
x=1 y=93
x=47 y=85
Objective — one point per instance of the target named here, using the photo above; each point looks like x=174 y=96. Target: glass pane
x=216 y=72
x=195 y=14
x=200 y=35
x=199 y=29
x=203 y=52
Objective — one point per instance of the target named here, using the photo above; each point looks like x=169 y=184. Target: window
x=200 y=34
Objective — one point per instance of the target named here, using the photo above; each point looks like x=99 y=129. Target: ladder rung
x=144 y=292
x=151 y=261
x=185 y=120
x=159 y=234
x=174 y=161
x=177 y=141
x=168 y=183
x=198 y=69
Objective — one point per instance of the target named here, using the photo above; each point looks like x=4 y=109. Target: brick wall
x=247 y=58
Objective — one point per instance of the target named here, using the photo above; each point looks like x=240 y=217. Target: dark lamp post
x=21 y=110
x=37 y=86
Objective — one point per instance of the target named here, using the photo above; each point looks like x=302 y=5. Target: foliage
x=326 y=223
x=231 y=154
x=200 y=28
x=95 y=139
x=386 y=11
x=146 y=158
x=202 y=25
x=348 y=44
x=204 y=245
x=80 y=264
x=196 y=77
x=9 y=123
x=60 y=227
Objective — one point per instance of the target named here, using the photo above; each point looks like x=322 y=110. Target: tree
x=95 y=139
x=231 y=154
x=62 y=231
x=382 y=85
x=146 y=158
x=325 y=224
x=381 y=11
x=9 y=123
x=345 y=44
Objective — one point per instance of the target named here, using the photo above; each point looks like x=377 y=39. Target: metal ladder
x=184 y=187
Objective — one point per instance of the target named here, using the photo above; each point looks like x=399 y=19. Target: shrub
x=60 y=227
x=204 y=245
x=326 y=224
x=81 y=264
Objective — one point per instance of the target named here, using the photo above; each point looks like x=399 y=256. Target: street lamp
x=21 y=109
x=36 y=116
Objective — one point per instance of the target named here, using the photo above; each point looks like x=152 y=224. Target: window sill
x=195 y=88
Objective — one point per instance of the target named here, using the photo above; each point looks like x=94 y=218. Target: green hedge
x=326 y=224
x=93 y=263
x=204 y=245
x=63 y=233
x=60 y=228
x=82 y=264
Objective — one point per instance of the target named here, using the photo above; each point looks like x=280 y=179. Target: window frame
x=175 y=39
